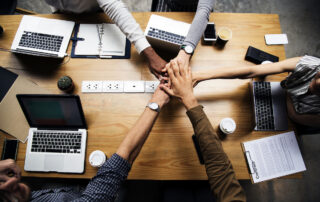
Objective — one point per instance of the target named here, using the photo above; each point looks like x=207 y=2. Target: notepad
x=273 y=157
x=101 y=40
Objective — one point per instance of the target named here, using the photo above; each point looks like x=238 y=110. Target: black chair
x=7 y=7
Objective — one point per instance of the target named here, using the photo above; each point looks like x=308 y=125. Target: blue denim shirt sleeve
x=106 y=184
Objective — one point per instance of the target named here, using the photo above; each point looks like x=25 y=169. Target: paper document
x=273 y=157
x=101 y=40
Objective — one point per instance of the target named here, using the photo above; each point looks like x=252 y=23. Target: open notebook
x=100 y=41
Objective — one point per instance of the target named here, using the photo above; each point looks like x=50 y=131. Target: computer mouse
x=1 y=30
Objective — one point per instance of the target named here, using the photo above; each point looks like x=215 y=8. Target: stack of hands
x=175 y=80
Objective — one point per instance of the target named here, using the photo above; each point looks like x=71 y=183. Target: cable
x=5 y=50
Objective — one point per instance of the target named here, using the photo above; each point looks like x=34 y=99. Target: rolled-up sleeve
x=106 y=184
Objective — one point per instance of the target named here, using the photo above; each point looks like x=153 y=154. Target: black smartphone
x=10 y=148
x=209 y=34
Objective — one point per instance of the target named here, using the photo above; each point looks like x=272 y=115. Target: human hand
x=10 y=174
x=180 y=84
x=155 y=62
x=160 y=97
x=182 y=59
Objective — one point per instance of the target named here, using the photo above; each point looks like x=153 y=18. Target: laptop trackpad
x=53 y=162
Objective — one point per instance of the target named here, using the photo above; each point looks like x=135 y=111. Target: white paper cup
x=97 y=158
x=227 y=125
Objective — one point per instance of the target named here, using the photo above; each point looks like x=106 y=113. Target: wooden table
x=168 y=154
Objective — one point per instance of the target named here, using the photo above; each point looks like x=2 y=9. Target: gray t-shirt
x=297 y=86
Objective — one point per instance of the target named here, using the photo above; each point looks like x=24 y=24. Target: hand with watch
x=183 y=57
x=158 y=100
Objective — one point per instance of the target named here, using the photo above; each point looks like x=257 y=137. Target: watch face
x=153 y=106
x=188 y=49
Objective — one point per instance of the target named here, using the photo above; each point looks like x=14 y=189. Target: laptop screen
x=52 y=111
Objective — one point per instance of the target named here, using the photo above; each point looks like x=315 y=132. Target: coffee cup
x=97 y=158
x=227 y=125
x=224 y=35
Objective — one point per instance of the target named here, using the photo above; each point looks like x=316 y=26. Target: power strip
x=119 y=86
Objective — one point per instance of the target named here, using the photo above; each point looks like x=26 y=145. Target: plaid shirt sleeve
x=106 y=184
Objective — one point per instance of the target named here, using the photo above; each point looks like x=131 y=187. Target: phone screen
x=9 y=149
x=210 y=32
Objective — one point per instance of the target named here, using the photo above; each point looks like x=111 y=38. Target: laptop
x=57 y=134
x=42 y=37
x=166 y=33
x=270 y=108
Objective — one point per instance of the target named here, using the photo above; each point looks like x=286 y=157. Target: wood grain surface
x=168 y=153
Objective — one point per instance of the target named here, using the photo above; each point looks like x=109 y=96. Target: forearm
x=121 y=16
x=248 y=71
x=220 y=173
x=132 y=144
x=199 y=22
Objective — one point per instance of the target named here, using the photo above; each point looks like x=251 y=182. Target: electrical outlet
x=151 y=86
x=133 y=86
x=91 y=86
x=112 y=86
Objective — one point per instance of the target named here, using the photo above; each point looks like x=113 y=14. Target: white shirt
x=117 y=12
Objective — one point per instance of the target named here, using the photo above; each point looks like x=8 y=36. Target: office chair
x=9 y=7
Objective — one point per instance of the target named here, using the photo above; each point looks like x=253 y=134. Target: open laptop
x=42 y=37
x=166 y=33
x=57 y=134
x=270 y=108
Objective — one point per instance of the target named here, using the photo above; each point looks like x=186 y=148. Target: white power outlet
x=151 y=86
x=91 y=86
x=133 y=86
x=112 y=86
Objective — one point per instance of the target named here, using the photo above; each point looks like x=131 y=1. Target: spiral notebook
x=273 y=157
x=100 y=41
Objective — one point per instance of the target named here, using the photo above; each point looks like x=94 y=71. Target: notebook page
x=274 y=156
x=91 y=40
x=113 y=40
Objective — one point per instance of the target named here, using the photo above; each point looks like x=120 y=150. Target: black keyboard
x=56 y=142
x=41 y=41
x=263 y=106
x=166 y=36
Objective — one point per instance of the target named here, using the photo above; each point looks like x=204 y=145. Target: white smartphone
x=276 y=39
x=209 y=34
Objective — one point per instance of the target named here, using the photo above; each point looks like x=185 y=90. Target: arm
x=245 y=72
x=196 y=30
x=121 y=16
x=106 y=184
x=223 y=182
x=311 y=120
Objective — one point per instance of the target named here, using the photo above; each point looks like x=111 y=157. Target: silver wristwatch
x=188 y=49
x=154 y=106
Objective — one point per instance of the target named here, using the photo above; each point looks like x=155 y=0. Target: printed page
x=90 y=45
x=113 y=40
x=274 y=156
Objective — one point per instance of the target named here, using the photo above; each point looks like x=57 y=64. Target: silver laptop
x=270 y=108
x=57 y=134
x=166 y=33
x=42 y=37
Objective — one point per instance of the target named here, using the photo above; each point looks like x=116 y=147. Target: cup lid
x=97 y=158
x=228 y=125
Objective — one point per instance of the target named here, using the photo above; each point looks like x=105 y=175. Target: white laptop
x=42 y=37
x=166 y=33
x=57 y=134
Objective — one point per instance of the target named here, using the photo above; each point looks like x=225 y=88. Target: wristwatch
x=188 y=49
x=154 y=106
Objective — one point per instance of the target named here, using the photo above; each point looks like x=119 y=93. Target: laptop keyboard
x=41 y=41
x=263 y=106
x=166 y=36
x=56 y=142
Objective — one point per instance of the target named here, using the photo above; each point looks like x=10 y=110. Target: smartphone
x=209 y=34
x=10 y=149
